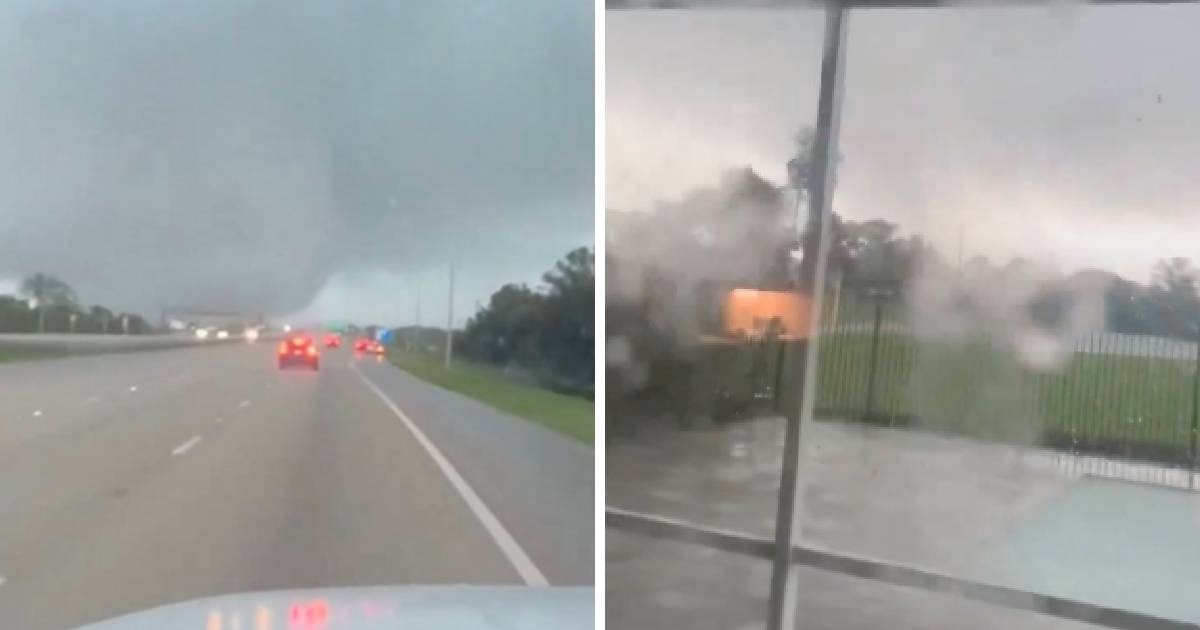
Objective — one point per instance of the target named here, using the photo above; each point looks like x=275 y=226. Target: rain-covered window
x=993 y=392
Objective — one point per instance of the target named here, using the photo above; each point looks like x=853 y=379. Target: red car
x=333 y=341
x=299 y=349
x=368 y=346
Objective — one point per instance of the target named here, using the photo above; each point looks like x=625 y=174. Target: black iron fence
x=1105 y=394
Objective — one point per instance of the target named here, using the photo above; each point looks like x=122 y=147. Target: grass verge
x=566 y=414
x=11 y=355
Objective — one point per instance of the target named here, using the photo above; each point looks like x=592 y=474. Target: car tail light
x=312 y=352
x=283 y=348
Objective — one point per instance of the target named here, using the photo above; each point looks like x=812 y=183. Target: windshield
x=203 y=208
x=902 y=317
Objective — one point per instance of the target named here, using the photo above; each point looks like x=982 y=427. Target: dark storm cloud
x=1027 y=129
x=236 y=154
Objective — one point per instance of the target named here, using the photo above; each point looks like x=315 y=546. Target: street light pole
x=450 y=320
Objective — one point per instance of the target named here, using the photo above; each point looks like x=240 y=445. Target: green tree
x=99 y=319
x=550 y=332
x=567 y=336
x=872 y=255
x=14 y=315
x=1174 y=289
x=48 y=291
x=504 y=332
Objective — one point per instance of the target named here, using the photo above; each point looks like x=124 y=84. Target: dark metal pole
x=874 y=359
x=1195 y=421
x=782 y=603
x=450 y=320
x=781 y=346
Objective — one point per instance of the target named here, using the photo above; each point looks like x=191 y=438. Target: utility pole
x=417 y=331
x=450 y=320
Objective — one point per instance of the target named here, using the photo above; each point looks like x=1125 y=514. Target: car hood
x=409 y=607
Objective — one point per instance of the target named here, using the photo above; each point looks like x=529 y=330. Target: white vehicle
x=416 y=607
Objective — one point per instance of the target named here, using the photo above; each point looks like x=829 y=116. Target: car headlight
x=202 y=333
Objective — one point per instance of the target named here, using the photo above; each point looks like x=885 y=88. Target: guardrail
x=96 y=344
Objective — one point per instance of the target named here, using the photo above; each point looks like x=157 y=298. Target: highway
x=134 y=480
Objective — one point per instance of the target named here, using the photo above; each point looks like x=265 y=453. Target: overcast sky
x=285 y=155
x=1066 y=135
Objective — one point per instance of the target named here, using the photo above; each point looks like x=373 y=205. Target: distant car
x=333 y=341
x=368 y=346
x=299 y=349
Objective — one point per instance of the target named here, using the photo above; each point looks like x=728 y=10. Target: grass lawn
x=567 y=414
x=1099 y=400
x=8 y=355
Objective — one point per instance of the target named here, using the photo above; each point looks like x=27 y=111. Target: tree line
x=669 y=267
x=47 y=304
x=547 y=332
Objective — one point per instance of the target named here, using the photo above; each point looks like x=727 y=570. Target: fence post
x=874 y=358
x=1195 y=420
x=778 y=384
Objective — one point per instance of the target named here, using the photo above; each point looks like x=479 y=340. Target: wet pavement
x=950 y=505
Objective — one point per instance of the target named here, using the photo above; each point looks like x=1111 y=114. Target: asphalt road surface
x=129 y=481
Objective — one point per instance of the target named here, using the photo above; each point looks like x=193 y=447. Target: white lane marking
x=91 y=400
x=37 y=412
x=218 y=421
x=244 y=404
x=133 y=388
x=508 y=545
x=187 y=446
x=3 y=580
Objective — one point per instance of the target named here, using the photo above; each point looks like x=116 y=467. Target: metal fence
x=1108 y=395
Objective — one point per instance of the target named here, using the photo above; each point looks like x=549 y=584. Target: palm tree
x=47 y=290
